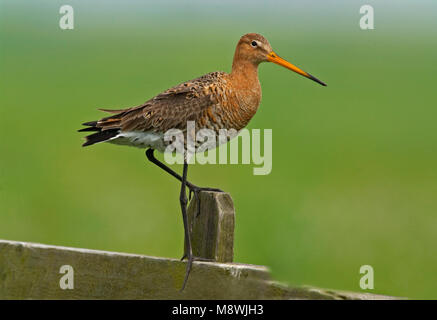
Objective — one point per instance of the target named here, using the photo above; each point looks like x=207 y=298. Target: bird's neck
x=246 y=91
x=244 y=79
x=244 y=73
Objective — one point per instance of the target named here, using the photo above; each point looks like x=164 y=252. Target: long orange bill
x=273 y=57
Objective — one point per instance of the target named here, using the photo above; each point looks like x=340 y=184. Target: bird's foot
x=197 y=258
x=195 y=190
x=190 y=260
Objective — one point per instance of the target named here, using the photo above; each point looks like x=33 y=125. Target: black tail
x=99 y=136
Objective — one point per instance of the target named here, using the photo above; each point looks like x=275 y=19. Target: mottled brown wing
x=171 y=109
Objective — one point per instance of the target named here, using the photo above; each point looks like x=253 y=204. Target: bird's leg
x=187 y=232
x=193 y=188
x=183 y=201
x=151 y=157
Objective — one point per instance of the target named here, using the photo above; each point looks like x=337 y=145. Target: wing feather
x=170 y=109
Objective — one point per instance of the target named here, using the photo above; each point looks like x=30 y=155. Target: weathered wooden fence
x=37 y=271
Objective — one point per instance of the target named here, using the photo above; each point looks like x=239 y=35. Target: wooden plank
x=212 y=228
x=32 y=271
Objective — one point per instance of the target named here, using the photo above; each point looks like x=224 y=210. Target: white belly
x=156 y=141
x=140 y=140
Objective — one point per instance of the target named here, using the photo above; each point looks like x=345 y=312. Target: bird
x=217 y=100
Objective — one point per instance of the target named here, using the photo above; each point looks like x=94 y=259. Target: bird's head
x=255 y=48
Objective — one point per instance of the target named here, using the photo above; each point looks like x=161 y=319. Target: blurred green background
x=354 y=177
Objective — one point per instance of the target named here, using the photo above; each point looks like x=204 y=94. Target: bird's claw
x=194 y=258
x=196 y=190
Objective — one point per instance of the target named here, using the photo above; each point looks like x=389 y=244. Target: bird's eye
x=254 y=44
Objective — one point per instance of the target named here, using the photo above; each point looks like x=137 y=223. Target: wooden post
x=212 y=231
